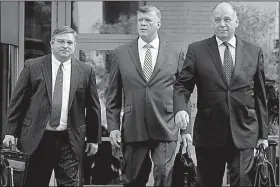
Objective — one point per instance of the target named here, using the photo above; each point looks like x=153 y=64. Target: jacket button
x=229 y=92
x=226 y=109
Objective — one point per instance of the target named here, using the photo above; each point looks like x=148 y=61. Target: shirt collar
x=232 y=42
x=154 y=43
x=57 y=62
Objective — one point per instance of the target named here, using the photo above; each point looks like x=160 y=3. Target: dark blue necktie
x=57 y=99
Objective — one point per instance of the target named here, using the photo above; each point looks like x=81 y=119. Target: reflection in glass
x=99 y=60
x=37 y=28
x=107 y=17
x=102 y=168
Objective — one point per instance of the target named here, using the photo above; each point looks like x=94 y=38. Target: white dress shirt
x=231 y=46
x=66 y=68
x=154 y=50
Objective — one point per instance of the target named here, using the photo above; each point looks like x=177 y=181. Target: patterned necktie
x=228 y=63
x=57 y=99
x=148 y=66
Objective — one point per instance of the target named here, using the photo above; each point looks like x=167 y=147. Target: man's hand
x=115 y=138
x=264 y=142
x=182 y=119
x=9 y=140
x=91 y=149
x=187 y=139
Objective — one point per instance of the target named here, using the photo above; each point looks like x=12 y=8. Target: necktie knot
x=226 y=44
x=148 y=46
x=60 y=66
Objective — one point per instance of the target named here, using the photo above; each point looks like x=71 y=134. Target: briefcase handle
x=11 y=147
x=182 y=147
x=261 y=151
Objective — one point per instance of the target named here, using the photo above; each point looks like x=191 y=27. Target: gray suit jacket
x=148 y=106
x=30 y=105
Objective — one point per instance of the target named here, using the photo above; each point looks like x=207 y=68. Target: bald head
x=225 y=21
x=224 y=6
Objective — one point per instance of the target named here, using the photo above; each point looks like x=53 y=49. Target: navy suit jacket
x=239 y=109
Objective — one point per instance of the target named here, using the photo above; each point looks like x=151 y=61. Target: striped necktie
x=148 y=66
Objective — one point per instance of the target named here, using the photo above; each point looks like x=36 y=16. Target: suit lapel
x=215 y=55
x=160 y=58
x=46 y=68
x=134 y=54
x=75 y=77
x=239 y=58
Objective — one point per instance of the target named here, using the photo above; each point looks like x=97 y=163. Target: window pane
x=37 y=28
x=105 y=17
x=8 y=70
x=4 y=82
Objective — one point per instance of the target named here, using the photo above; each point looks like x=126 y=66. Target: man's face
x=148 y=25
x=63 y=46
x=225 y=21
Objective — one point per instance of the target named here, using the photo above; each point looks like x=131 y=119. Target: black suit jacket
x=240 y=106
x=148 y=106
x=30 y=105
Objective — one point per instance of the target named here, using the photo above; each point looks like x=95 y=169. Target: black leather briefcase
x=184 y=172
x=16 y=168
x=262 y=173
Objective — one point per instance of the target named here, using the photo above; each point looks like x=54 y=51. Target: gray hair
x=150 y=8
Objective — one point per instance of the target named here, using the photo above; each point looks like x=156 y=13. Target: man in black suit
x=232 y=116
x=53 y=108
x=144 y=71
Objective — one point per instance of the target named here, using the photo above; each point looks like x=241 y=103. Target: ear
x=212 y=22
x=159 y=24
x=51 y=43
x=236 y=22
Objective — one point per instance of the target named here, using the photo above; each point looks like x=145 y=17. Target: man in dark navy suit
x=232 y=115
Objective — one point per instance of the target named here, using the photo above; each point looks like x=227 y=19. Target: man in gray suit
x=143 y=72
x=47 y=113
x=232 y=116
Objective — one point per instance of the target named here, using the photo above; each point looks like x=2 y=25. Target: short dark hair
x=64 y=30
x=150 y=8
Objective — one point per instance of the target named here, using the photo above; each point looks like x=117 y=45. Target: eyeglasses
x=62 y=42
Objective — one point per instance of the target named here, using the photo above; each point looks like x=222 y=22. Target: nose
x=65 y=44
x=143 y=22
x=222 y=23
